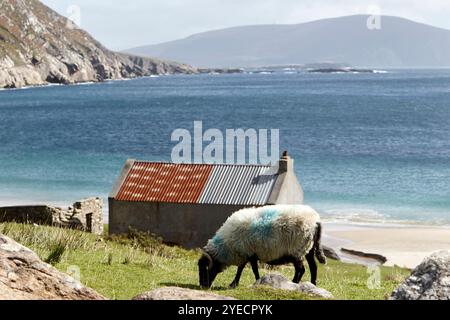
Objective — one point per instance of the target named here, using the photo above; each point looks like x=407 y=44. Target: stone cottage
x=185 y=204
x=86 y=215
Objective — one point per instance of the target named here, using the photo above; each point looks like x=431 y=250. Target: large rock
x=278 y=281
x=23 y=276
x=175 y=293
x=429 y=281
x=374 y=256
x=330 y=253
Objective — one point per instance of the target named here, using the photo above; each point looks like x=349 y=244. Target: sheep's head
x=208 y=268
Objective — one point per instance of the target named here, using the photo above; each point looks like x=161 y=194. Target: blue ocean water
x=366 y=146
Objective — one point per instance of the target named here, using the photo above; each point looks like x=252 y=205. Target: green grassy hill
x=122 y=267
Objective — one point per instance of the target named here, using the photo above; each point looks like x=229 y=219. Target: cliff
x=38 y=46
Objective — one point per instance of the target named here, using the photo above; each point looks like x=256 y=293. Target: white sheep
x=274 y=235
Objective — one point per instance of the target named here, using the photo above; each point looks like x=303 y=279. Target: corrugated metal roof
x=239 y=185
x=197 y=183
x=164 y=182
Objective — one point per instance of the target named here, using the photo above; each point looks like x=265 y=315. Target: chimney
x=285 y=164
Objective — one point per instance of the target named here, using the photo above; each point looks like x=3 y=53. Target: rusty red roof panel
x=164 y=182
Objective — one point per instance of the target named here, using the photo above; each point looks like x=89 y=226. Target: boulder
x=278 y=281
x=374 y=256
x=175 y=293
x=23 y=276
x=330 y=253
x=428 y=281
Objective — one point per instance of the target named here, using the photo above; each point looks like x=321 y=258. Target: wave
x=50 y=85
x=31 y=87
x=360 y=216
x=84 y=83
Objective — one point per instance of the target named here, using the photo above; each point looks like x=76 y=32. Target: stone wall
x=86 y=215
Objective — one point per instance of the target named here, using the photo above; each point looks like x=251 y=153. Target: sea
x=368 y=147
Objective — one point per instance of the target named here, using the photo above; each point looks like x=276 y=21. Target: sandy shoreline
x=405 y=246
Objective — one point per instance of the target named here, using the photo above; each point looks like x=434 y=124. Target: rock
x=278 y=281
x=428 y=281
x=341 y=70
x=377 y=257
x=38 y=46
x=331 y=253
x=221 y=71
x=23 y=276
x=175 y=293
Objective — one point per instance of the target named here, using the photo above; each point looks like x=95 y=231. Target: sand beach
x=402 y=245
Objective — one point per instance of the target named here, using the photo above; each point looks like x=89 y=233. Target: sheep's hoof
x=233 y=285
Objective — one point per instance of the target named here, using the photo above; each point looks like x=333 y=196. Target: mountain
x=37 y=47
x=399 y=43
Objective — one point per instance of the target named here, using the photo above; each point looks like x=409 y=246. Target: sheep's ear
x=208 y=258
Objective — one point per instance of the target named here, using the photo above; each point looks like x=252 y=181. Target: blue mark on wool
x=222 y=249
x=262 y=227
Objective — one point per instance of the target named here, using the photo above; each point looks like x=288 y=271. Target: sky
x=121 y=25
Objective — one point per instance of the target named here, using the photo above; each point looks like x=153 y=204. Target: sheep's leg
x=254 y=263
x=312 y=266
x=235 y=282
x=299 y=270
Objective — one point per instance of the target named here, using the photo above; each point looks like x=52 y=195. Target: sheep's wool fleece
x=270 y=233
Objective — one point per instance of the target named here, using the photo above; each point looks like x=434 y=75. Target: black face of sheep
x=208 y=270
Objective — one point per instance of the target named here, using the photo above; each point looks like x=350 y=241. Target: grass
x=122 y=267
x=56 y=253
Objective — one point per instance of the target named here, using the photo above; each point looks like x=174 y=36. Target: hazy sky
x=122 y=24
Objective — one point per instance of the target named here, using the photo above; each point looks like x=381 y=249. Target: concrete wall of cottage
x=187 y=225
x=86 y=215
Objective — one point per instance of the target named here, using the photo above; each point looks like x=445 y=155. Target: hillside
x=37 y=47
x=122 y=267
x=399 y=43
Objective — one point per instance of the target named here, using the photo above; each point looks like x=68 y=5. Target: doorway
x=89 y=222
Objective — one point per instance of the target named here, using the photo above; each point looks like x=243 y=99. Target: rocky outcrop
x=330 y=253
x=175 y=293
x=374 y=256
x=429 y=281
x=341 y=70
x=39 y=46
x=278 y=281
x=23 y=276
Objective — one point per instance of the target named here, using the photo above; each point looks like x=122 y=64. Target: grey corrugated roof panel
x=238 y=185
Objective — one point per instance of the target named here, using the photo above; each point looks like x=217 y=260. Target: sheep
x=275 y=235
